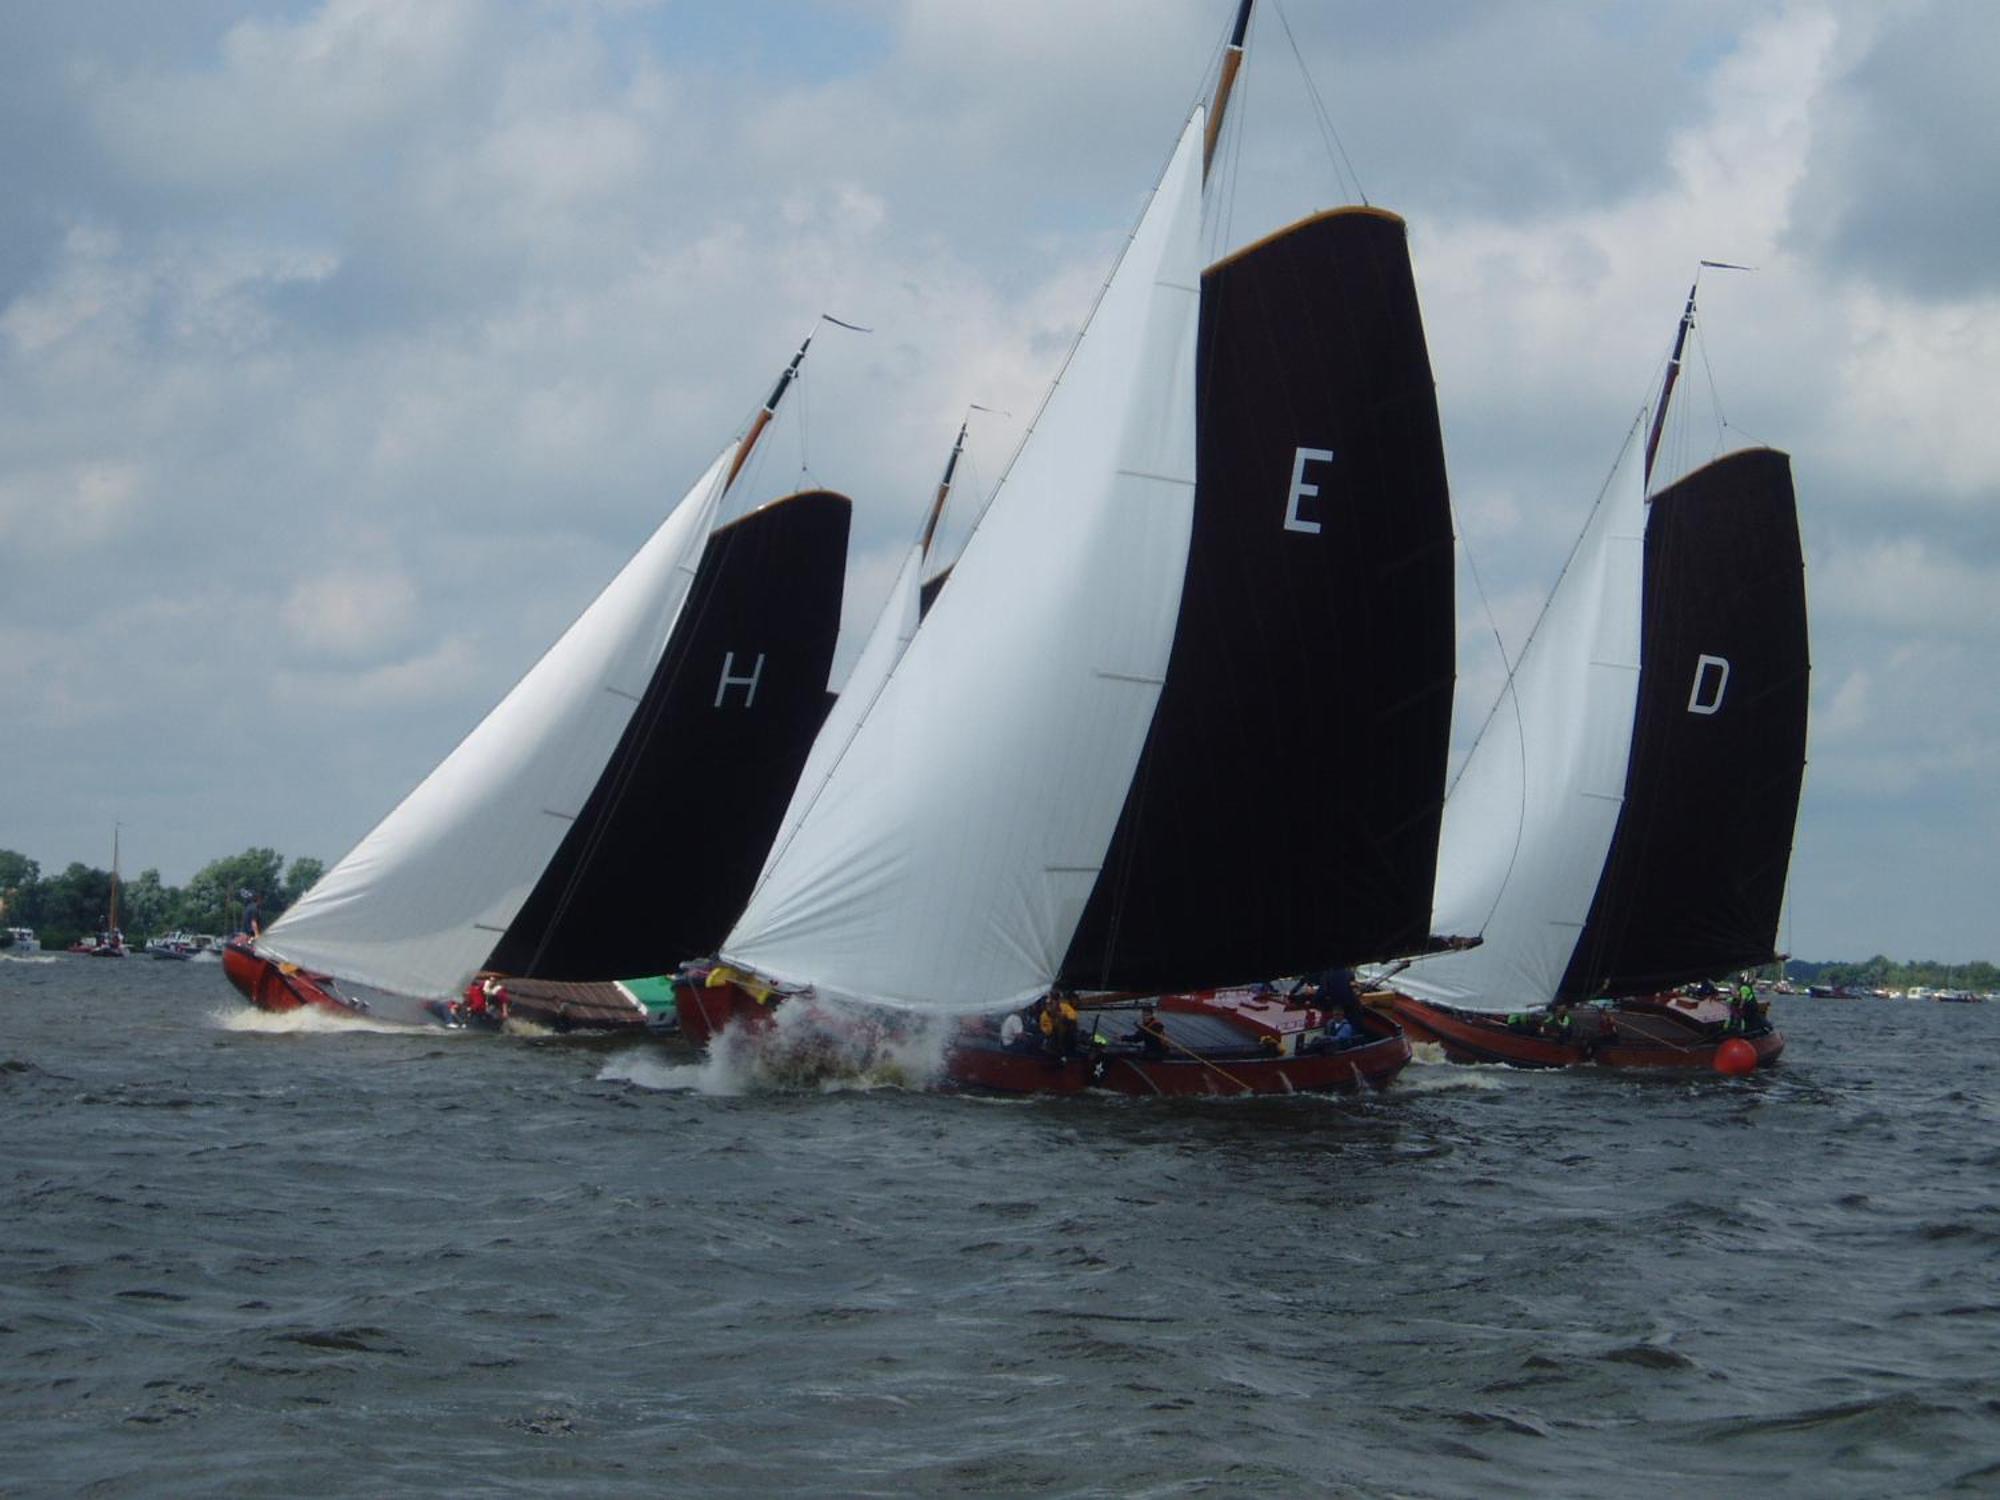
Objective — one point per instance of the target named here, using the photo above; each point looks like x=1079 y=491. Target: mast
x=1667 y=384
x=1232 y=63
x=1674 y=361
x=770 y=407
x=113 y=924
x=944 y=488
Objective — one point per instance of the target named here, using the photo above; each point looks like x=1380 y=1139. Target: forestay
x=420 y=902
x=946 y=861
x=1531 y=817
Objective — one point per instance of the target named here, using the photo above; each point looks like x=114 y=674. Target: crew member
x=1744 y=1011
x=1058 y=1023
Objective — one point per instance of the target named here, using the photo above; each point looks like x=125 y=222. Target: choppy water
x=252 y=1255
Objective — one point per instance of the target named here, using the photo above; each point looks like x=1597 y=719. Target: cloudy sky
x=347 y=348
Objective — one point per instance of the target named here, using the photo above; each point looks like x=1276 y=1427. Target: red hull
x=1639 y=1034
x=280 y=987
x=705 y=1009
x=1270 y=1050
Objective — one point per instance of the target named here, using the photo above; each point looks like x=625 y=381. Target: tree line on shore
x=63 y=907
x=1882 y=973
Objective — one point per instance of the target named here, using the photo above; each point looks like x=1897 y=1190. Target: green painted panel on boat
x=656 y=993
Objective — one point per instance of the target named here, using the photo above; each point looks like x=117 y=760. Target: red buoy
x=1735 y=1057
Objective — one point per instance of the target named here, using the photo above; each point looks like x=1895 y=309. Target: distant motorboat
x=110 y=943
x=19 y=942
x=175 y=945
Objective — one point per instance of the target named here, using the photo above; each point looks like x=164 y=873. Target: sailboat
x=110 y=942
x=591 y=825
x=1179 y=721
x=1624 y=823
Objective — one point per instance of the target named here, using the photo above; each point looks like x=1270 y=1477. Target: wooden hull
x=281 y=987
x=992 y=1068
x=565 y=1005
x=1254 y=1044
x=1638 y=1034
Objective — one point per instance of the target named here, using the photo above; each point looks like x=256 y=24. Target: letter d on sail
x=1301 y=490
x=748 y=683
x=1711 y=681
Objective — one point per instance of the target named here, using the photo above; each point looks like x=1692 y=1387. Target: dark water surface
x=241 y=1257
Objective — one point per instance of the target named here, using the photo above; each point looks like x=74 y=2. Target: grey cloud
x=1904 y=181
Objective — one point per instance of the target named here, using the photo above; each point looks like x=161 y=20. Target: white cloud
x=439 y=674
x=1909 y=587
x=285 y=98
x=350 y=615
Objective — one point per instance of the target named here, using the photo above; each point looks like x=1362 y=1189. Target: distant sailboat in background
x=1624 y=823
x=110 y=941
x=592 y=825
x=1180 y=718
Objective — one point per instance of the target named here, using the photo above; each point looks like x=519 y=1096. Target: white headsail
x=419 y=903
x=894 y=628
x=1529 y=822
x=947 y=859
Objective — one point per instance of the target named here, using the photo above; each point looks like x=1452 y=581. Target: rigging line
x=1330 y=136
x=973 y=477
x=1492 y=624
x=1221 y=224
x=1714 y=392
x=805 y=412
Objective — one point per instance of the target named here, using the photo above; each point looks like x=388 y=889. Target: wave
x=310 y=1020
x=813 y=1045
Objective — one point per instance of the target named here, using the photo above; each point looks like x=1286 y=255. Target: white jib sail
x=947 y=860
x=894 y=627
x=418 y=905
x=1528 y=825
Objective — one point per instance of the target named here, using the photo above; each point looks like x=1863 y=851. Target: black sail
x=1284 y=816
x=928 y=591
x=670 y=841
x=1695 y=877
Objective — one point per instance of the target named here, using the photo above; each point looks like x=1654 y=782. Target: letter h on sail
x=749 y=684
